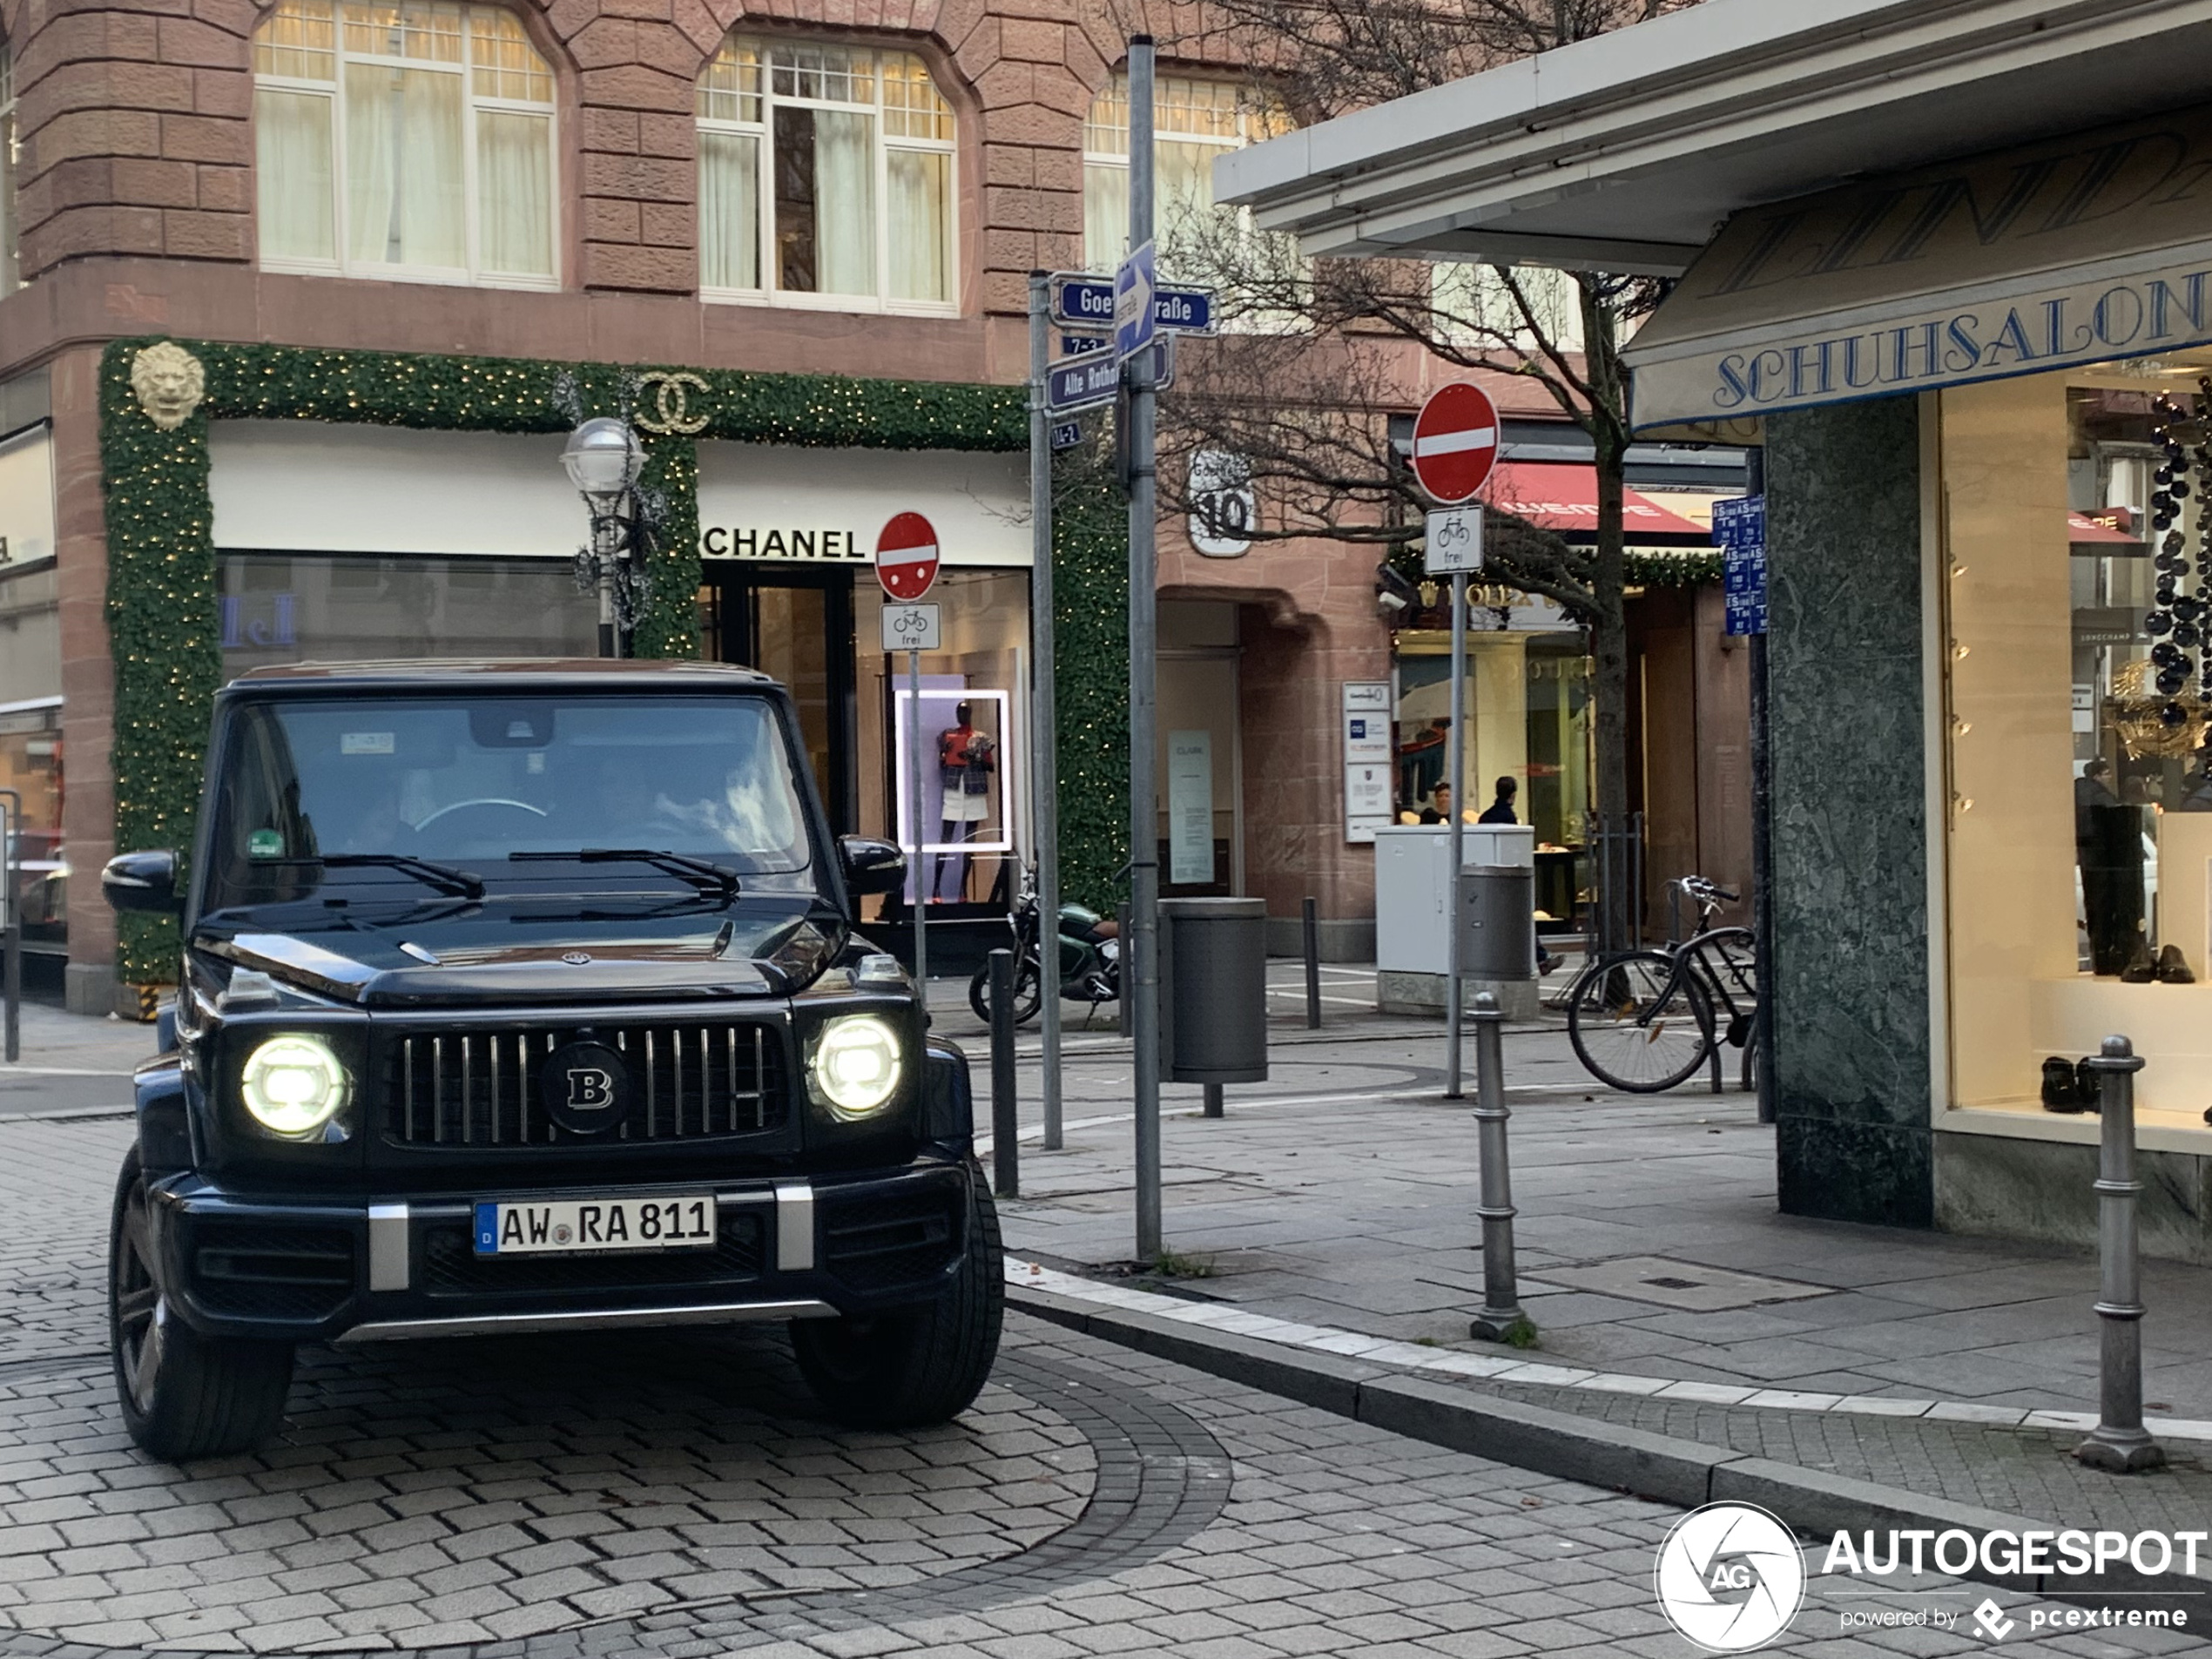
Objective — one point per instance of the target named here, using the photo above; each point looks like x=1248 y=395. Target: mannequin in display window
x=965 y=760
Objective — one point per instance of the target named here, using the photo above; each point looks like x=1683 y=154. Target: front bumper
x=361 y=1270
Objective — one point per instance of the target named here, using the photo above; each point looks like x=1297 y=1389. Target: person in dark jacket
x=1501 y=810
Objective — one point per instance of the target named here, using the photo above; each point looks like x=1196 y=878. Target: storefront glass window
x=31 y=764
x=2076 y=556
x=974 y=815
x=280 y=608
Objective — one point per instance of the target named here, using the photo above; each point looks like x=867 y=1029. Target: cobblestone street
x=669 y=1495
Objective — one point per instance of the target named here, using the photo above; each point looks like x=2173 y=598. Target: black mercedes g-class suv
x=526 y=997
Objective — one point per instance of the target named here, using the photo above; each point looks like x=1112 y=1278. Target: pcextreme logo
x=1729 y=1577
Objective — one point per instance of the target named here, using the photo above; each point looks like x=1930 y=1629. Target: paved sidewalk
x=1340 y=1195
x=71 y=1062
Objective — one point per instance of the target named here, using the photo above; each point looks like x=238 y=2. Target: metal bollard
x=1312 y=919
x=1213 y=1101
x=2120 y=1442
x=1500 y=1293
x=1006 y=1147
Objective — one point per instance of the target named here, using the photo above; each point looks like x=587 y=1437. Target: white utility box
x=1412 y=889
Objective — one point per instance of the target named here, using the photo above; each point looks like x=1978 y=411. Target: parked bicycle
x=1645 y=1021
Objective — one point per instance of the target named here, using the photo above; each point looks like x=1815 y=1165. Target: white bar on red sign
x=1451 y=443
x=907 y=555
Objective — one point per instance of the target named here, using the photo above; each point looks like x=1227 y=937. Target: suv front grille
x=478 y=1088
x=451 y=1266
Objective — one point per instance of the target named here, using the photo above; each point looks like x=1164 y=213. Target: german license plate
x=574 y=1226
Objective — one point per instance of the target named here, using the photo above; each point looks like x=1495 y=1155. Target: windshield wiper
x=711 y=880
x=443 y=876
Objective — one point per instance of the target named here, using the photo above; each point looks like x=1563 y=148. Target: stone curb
x=1614 y=1456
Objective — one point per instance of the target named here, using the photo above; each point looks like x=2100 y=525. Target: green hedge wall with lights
x=164 y=618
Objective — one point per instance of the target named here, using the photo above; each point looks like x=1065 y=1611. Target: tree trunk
x=1608 y=626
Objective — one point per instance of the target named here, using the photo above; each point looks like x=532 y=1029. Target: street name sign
x=1455 y=441
x=1134 y=320
x=1739 y=525
x=1454 y=542
x=905 y=558
x=910 y=627
x=1084 y=302
x=1085 y=382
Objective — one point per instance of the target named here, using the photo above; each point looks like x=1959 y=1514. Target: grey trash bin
x=1213 y=990
x=1498 y=922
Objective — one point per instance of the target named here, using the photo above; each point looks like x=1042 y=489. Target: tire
x=1626 y=1041
x=914 y=1366
x=1028 y=995
x=184 y=1396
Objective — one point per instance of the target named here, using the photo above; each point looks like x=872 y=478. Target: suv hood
x=374 y=970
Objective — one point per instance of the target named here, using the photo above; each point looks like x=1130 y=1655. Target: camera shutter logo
x=585 y=1087
x=1729 y=1577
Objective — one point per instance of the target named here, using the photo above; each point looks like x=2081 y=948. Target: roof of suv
x=536 y=673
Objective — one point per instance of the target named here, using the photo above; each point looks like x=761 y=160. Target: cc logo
x=585 y=1087
x=672 y=403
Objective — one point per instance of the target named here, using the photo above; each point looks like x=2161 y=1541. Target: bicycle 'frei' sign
x=1455 y=441
x=1453 y=542
x=906 y=556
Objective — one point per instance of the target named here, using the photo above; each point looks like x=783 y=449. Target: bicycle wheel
x=1634 y=1026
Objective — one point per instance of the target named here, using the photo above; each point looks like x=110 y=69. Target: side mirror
x=871 y=866
x=142 y=881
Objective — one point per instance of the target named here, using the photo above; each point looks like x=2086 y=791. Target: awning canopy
x=1556 y=496
x=2075 y=250
x=1624 y=151
x=2109 y=524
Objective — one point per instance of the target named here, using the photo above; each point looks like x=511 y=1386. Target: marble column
x=1849 y=818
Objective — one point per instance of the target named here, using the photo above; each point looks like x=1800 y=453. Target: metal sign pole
x=1455 y=840
x=1044 y=769
x=1144 y=985
x=913 y=818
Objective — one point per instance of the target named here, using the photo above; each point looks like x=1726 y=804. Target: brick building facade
x=215 y=171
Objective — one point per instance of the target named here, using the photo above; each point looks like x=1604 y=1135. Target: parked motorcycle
x=1091 y=964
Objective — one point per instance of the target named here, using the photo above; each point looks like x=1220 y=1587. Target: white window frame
x=1118 y=89
x=472 y=102
x=763 y=132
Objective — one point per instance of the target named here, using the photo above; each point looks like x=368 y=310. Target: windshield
x=462 y=782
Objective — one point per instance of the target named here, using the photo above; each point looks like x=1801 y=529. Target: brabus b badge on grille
x=585 y=1087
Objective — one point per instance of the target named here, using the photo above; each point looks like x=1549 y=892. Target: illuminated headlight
x=855 y=1068
x=293 y=1085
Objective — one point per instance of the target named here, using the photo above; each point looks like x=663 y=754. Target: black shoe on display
x=2173 y=967
x=2060 y=1092
x=2088 y=1086
x=2142 y=966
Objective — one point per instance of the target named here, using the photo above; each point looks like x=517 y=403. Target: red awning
x=2106 y=525
x=1558 y=496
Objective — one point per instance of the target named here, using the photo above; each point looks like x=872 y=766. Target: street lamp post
x=603 y=458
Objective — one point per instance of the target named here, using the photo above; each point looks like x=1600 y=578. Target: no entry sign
x=1455 y=441
x=906 y=556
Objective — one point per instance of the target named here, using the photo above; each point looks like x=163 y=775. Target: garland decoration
x=162 y=600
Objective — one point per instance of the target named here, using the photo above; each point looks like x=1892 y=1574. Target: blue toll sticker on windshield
x=365 y=743
x=265 y=843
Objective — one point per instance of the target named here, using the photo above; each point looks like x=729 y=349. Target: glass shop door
x=795 y=624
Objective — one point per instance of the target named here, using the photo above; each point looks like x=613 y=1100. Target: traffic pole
x=1455 y=836
x=1144 y=870
x=1044 y=769
x=914 y=818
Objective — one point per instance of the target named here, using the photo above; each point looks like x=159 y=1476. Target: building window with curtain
x=10 y=265
x=1194 y=122
x=825 y=178
x=413 y=141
